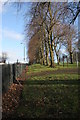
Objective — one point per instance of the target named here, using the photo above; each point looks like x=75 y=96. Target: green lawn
x=50 y=93
x=41 y=72
x=39 y=68
x=49 y=101
x=56 y=77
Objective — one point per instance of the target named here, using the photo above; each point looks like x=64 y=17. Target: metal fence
x=10 y=72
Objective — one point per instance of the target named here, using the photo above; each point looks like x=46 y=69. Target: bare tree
x=48 y=30
x=70 y=40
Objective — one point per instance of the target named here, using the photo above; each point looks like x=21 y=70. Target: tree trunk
x=50 y=37
x=52 y=59
x=46 y=49
x=44 y=61
x=46 y=53
x=58 y=60
x=71 y=57
x=42 y=53
x=51 y=52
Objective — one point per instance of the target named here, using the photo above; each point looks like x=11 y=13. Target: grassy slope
x=42 y=98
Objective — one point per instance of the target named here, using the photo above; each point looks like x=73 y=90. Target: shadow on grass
x=50 y=82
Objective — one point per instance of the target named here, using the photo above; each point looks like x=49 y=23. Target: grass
x=65 y=65
x=50 y=82
x=41 y=68
x=50 y=93
x=38 y=68
x=41 y=72
x=56 y=77
x=49 y=101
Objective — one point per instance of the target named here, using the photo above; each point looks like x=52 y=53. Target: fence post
x=14 y=74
